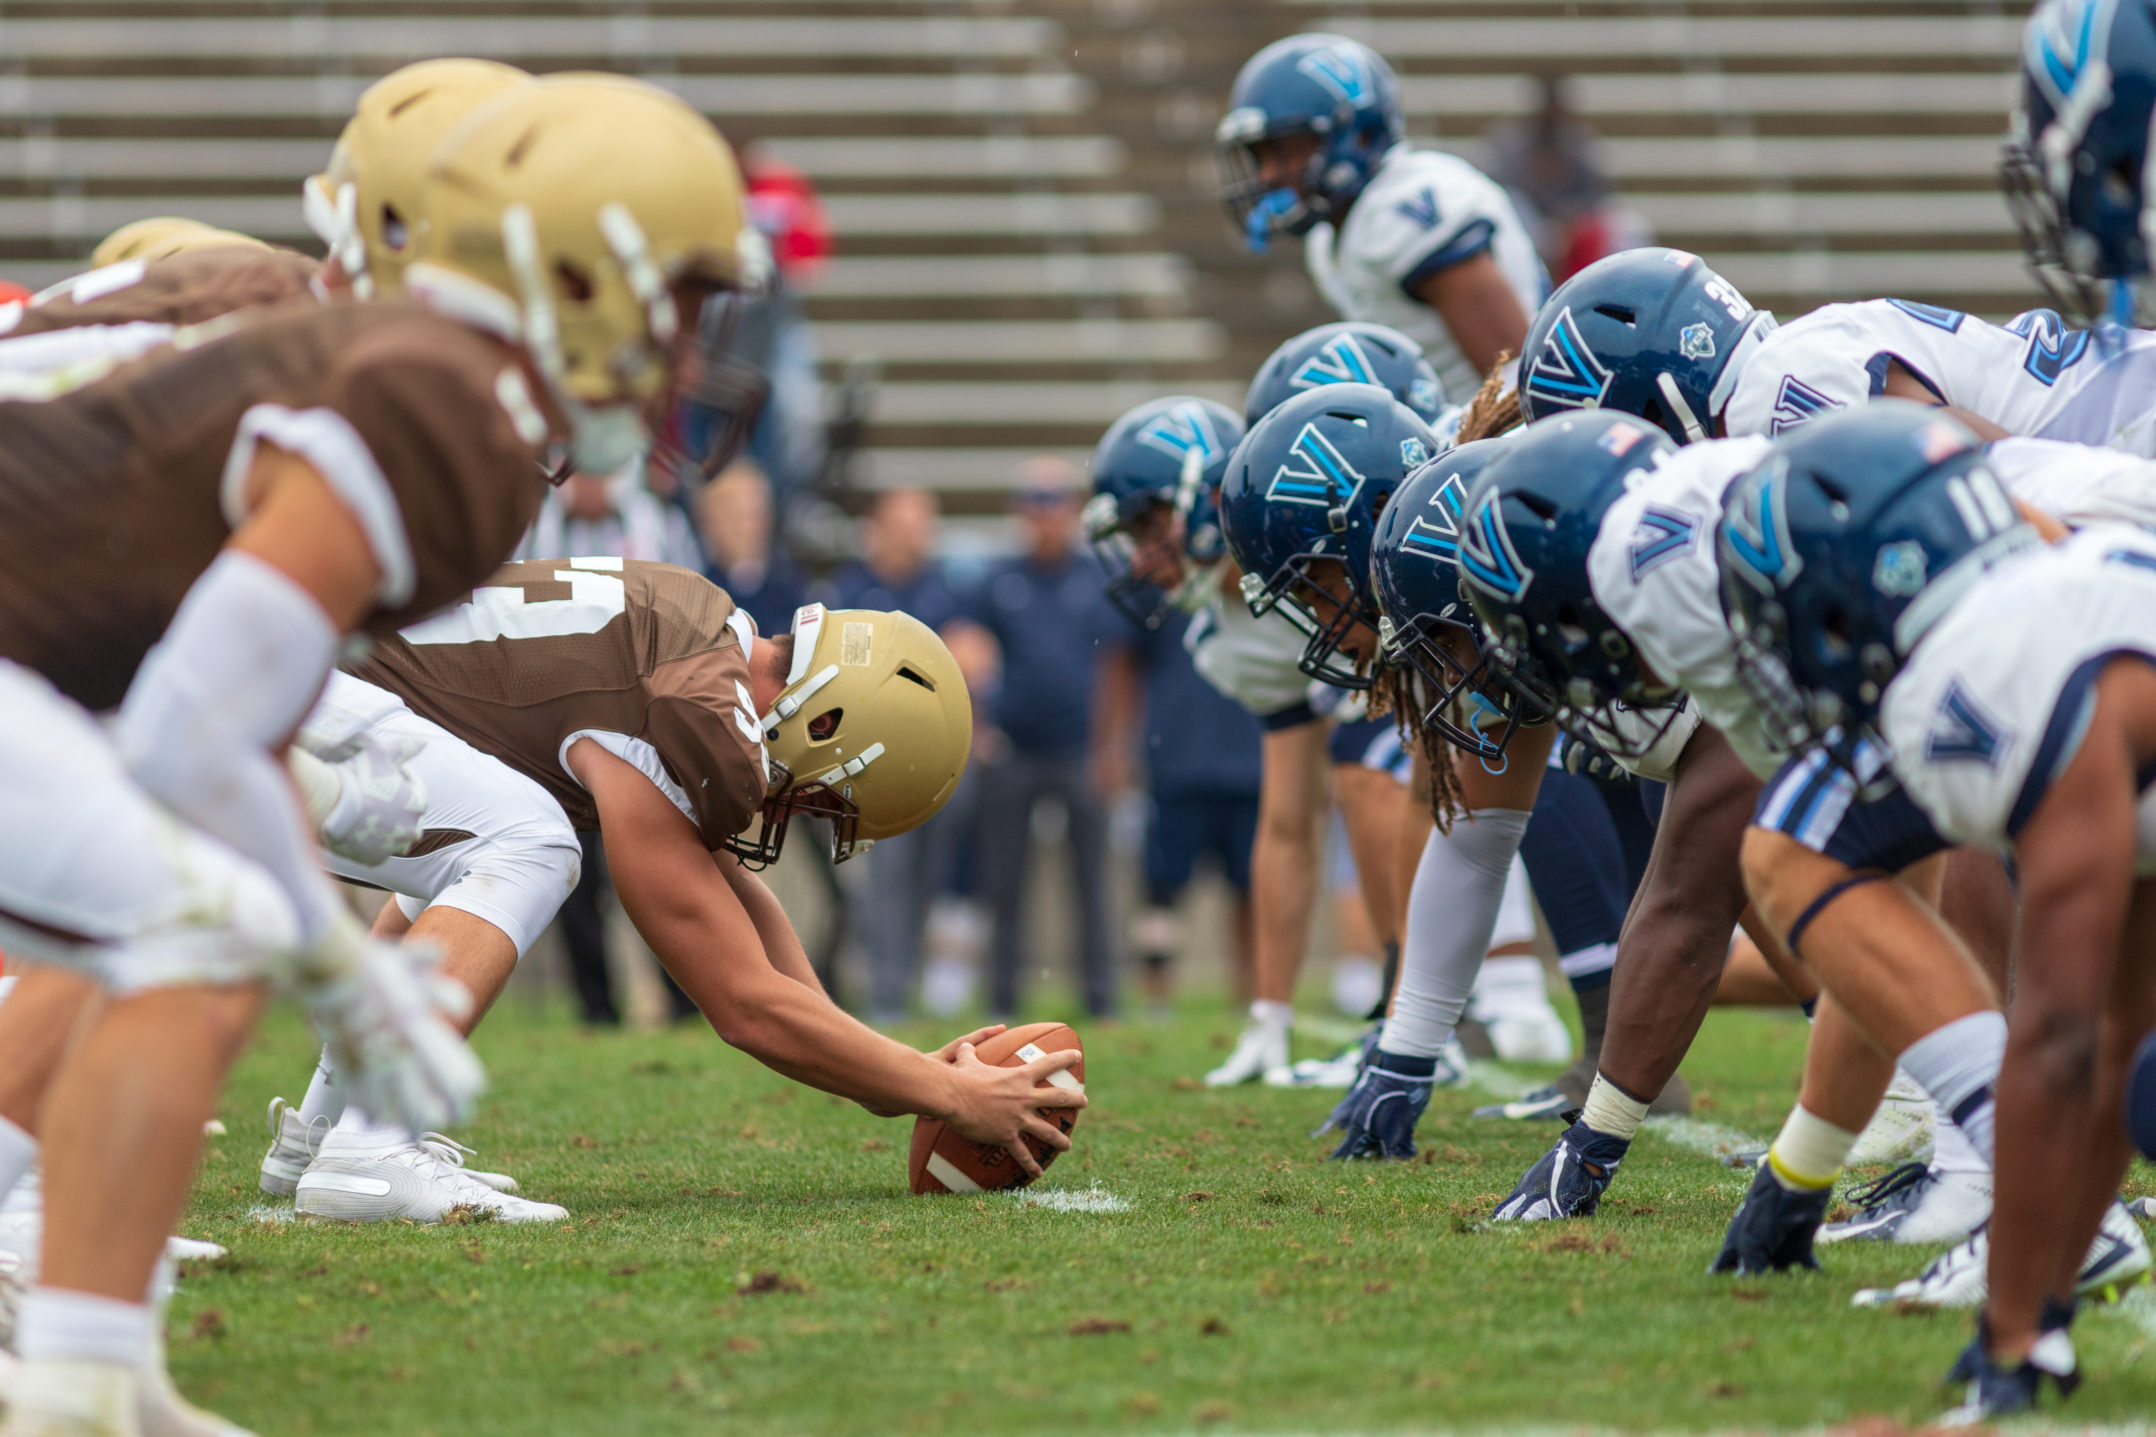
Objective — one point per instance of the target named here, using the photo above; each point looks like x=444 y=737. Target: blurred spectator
x=734 y=516
x=613 y=515
x=898 y=570
x=774 y=334
x=1551 y=164
x=1201 y=753
x=1053 y=627
x=785 y=206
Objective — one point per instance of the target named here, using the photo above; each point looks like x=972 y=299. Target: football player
x=1910 y=604
x=1418 y=240
x=192 y=536
x=634 y=699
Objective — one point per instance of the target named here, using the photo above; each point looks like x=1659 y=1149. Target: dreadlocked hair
x=1402 y=694
x=1495 y=407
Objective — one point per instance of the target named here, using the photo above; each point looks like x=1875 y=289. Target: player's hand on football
x=1772 y=1231
x=948 y=1053
x=1002 y=1105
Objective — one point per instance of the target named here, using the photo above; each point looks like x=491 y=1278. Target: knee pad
x=240 y=932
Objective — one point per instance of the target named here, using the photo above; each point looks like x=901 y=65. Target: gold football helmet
x=164 y=236
x=364 y=206
x=870 y=732
x=585 y=217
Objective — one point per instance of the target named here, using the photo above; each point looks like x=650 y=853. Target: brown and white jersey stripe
x=648 y=660
x=116 y=495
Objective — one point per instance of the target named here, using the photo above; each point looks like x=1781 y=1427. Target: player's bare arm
x=1480 y=307
x=2076 y=859
x=1901 y=384
x=698 y=925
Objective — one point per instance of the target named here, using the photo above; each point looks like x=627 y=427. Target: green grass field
x=744 y=1257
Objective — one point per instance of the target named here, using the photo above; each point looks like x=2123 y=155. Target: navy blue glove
x=1772 y=1231
x=1569 y=1180
x=1379 y=1113
x=1996 y=1390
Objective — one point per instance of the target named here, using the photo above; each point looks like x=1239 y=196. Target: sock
x=18 y=1154
x=1957 y=1064
x=57 y=1325
x=1451 y=911
x=1264 y=1013
x=1953 y=1152
x=1809 y=1151
x=1385 y=984
x=1589 y=967
x=324 y=1100
x=1612 y=1110
x=1594 y=1020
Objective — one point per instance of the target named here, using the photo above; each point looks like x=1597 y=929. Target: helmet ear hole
x=906 y=672
x=1617 y=312
x=824 y=726
x=575 y=283
x=1652 y=413
x=395 y=233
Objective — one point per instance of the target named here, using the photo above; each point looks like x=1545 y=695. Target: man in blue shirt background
x=898 y=570
x=1052 y=626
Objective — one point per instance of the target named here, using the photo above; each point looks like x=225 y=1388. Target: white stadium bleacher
x=1020 y=187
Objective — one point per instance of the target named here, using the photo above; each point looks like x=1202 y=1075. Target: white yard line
x=1088 y=1199
x=1712 y=1139
x=272 y=1214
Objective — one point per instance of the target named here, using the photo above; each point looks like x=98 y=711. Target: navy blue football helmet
x=1840 y=551
x=1429 y=629
x=1336 y=90
x=2074 y=166
x=1651 y=332
x=1299 y=505
x=1347 y=353
x=1531 y=518
x=1151 y=517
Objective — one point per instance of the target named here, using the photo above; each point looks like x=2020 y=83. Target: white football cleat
x=449 y=1150
x=2117 y=1260
x=1336 y=1072
x=1261 y=1049
x=1915 y=1204
x=1901 y=1131
x=1511 y=999
x=411 y=1183
x=292 y=1148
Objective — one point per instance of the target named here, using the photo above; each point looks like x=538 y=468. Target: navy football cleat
x=1378 y=1115
x=1772 y=1231
x=1569 y=1180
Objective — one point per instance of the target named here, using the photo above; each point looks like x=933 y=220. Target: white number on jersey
x=502 y=612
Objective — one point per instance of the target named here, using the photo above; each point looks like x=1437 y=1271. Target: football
x=942 y=1161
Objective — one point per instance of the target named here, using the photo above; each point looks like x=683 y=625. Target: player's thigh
x=96 y=875
x=493 y=844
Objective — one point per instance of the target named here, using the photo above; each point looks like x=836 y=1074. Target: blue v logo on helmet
x=1340 y=362
x=1436 y=532
x=1315 y=473
x=1181 y=430
x=1340 y=70
x=1566 y=374
x=1757 y=526
x=2062 y=41
x=1488 y=558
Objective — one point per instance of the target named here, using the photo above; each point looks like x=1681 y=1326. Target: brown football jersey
x=646 y=657
x=115 y=496
x=190 y=288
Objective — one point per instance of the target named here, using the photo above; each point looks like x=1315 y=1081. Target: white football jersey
x=1251 y=658
x=2076 y=484
x=1422 y=212
x=2031 y=376
x=1653 y=571
x=1991 y=705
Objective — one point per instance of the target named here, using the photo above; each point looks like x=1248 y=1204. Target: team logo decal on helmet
x=1315 y=473
x=1339 y=68
x=1757 y=526
x=1899 y=571
x=1436 y=533
x=2062 y=42
x=1696 y=341
x=1566 y=374
x=1340 y=362
x=1662 y=535
x=1487 y=554
x=1184 y=430
x=1964 y=731
x=1414 y=453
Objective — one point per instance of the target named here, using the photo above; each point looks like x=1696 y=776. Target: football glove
x=1996 y=1390
x=381 y=804
x=1591 y=761
x=1378 y=1115
x=384 y=1016
x=1568 y=1180
x=1772 y=1230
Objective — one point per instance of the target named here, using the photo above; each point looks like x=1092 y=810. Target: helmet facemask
x=1144 y=545
x=1470 y=705
x=1318 y=595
